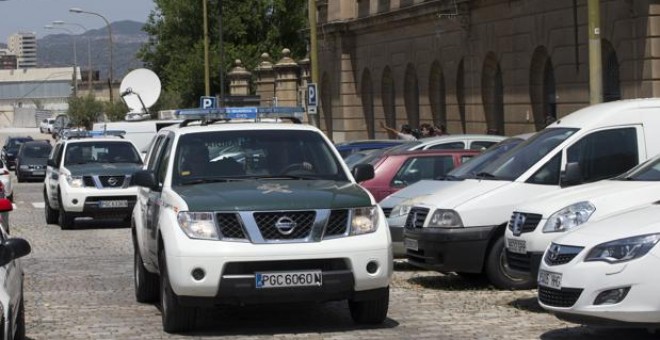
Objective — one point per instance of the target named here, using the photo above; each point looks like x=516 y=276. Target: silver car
x=12 y=307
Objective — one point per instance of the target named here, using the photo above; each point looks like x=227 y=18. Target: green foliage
x=84 y=111
x=175 y=50
x=115 y=111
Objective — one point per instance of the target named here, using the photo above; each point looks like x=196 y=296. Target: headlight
x=198 y=225
x=569 y=217
x=24 y=167
x=400 y=210
x=75 y=181
x=445 y=219
x=364 y=220
x=9 y=154
x=622 y=250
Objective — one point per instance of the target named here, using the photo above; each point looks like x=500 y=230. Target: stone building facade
x=474 y=66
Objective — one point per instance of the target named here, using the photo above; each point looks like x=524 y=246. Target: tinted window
x=549 y=173
x=647 y=171
x=419 y=168
x=101 y=152
x=263 y=153
x=478 y=163
x=604 y=154
x=452 y=145
x=36 y=151
x=513 y=164
x=481 y=145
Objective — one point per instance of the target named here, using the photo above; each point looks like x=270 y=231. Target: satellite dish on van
x=140 y=90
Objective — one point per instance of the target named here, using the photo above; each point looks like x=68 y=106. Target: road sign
x=312 y=95
x=208 y=102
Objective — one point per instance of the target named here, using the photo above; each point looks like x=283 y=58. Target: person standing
x=406 y=132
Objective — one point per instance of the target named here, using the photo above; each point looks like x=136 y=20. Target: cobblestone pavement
x=79 y=285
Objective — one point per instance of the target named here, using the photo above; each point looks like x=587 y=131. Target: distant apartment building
x=24 y=46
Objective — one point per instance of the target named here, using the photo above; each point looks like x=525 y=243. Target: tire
x=176 y=318
x=19 y=334
x=146 y=283
x=498 y=273
x=372 y=311
x=19 y=178
x=11 y=197
x=66 y=220
x=52 y=215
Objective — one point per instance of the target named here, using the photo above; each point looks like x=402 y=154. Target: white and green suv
x=90 y=175
x=233 y=213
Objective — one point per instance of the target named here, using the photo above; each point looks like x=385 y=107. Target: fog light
x=198 y=274
x=612 y=296
x=372 y=267
x=74 y=201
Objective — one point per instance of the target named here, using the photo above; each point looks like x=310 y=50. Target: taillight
x=5 y=172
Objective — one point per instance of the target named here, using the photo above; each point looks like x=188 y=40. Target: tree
x=84 y=111
x=175 y=50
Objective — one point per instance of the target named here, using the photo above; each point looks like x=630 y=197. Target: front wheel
x=498 y=272
x=176 y=318
x=52 y=215
x=66 y=220
x=373 y=311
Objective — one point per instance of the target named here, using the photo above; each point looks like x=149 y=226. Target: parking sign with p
x=208 y=103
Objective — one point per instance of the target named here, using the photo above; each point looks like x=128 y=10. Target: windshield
x=515 y=163
x=36 y=151
x=647 y=171
x=263 y=154
x=476 y=165
x=101 y=152
x=15 y=143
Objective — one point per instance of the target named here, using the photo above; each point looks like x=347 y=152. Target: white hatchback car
x=46 y=125
x=5 y=178
x=604 y=272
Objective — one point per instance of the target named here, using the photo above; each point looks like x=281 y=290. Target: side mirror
x=363 y=172
x=5 y=205
x=572 y=175
x=12 y=249
x=145 y=178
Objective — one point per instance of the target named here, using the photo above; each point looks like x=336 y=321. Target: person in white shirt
x=405 y=133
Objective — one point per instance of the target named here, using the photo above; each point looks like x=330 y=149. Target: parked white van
x=461 y=228
x=139 y=132
x=535 y=224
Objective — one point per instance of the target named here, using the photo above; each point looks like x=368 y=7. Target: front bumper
x=449 y=249
x=87 y=200
x=230 y=269
x=31 y=174
x=586 y=280
x=524 y=265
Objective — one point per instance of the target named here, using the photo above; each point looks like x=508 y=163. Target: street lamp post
x=75 y=58
x=110 y=79
x=89 y=50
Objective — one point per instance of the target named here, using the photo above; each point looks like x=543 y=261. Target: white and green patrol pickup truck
x=233 y=213
x=88 y=175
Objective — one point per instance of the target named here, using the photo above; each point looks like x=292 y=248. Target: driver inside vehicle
x=283 y=159
x=194 y=160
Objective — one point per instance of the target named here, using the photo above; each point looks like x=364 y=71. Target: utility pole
x=313 y=53
x=207 y=87
x=595 y=54
x=222 y=58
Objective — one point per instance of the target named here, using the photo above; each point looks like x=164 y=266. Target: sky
x=33 y=15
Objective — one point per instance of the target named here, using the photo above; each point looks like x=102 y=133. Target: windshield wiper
x=210 y=180
x=285 y=177
x=449 y=178
x=485 y=175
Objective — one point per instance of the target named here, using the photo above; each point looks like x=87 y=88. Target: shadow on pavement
x=527 y=304
x=600 y=333
x=452 y=282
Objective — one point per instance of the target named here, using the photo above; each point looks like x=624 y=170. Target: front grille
x=559 y=254
x=230 y=226
x=519 y=262
x=387 y=211
x=416 y=217
x=566 y=297
x=112 y=182
x=287 y=225
x=521 y=223
x=337 y=223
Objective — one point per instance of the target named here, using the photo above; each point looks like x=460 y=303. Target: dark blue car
x=347 y=148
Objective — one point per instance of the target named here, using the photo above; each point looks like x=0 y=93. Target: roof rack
x=225 y=114
x=90 y=134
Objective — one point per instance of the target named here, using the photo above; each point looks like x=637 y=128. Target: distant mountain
x=56 y=50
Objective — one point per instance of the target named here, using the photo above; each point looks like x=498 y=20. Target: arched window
x=542 y=89
x=411 y=96
x=368 y=102
x=492 y=94
x=460 y=93
x=611 y=82
x=437 y=95
x=388 y=97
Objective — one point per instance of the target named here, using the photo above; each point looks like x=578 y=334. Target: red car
x=397 y=170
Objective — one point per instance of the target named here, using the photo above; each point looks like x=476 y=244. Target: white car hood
x=608 y=196
x=635 y=222
x=455 y=195
x=421 y=188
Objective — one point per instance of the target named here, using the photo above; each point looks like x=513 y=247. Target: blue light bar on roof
x=95 y=133
x=241 y=113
